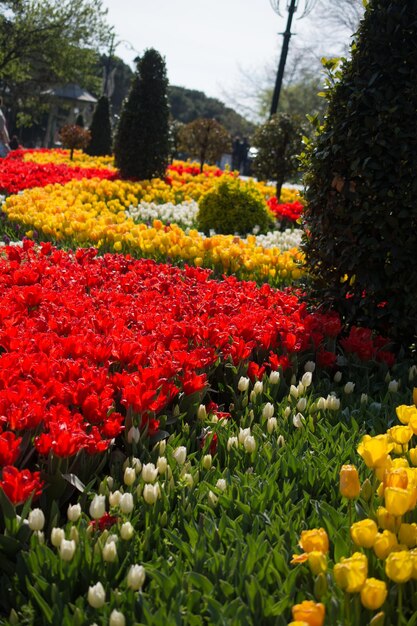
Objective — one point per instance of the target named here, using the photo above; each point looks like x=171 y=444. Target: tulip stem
x=400 y=605
x=347 y=607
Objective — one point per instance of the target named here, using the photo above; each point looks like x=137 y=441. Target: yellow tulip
x=399 y=566
x=400 y=434
x=363 y=533
x=350 y=573
x=374 y=450
x=317 y=562
x=373 y=593
x=405 y=413
x=396 y=478
x=415 y=395
x=397 y=501
x=385 y=543
x=314 y=539
x=407 y=535
x=349 y=484
x=312 y=613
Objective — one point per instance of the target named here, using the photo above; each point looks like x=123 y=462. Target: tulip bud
x=320 y=586
x=287 y=412
x=309 y=366
x=36 y=519
x=271 y=425
x=126 y=531
x=67 y=549
x=212 y=498
x=117 y=618
x=96 y=596
x=74 y=512
x=126 y=503
x=136 y=577
x=221 y=484
x=98 y=506
x=366 y=490
x=109 y=552
x=243 y=384
x=274 y=378
x=301 y=405
x=180 y=454
x=378 y=619
x=129 y=476
x=162 y=465
x=133 y=435
x=201 y=412
x=349 y=484
x=349 y=388
x=393 y=386
x=297 y=420
x=57 y=535
x=280 y=441
x=207 y=461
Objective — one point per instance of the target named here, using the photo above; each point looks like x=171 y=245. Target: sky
x=208 y=45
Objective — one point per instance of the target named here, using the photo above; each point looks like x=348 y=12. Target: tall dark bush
x=361 y=214
x=142 y=140
x=101 y=133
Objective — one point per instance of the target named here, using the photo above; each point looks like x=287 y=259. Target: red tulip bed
x=166 y=436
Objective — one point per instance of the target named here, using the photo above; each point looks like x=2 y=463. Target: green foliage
x=278 y=142
x=233 y=206
x=101 y=133
x=142 y=139
x=188 y=105
x=361 y=187
x=48 y=42
x=205 y=140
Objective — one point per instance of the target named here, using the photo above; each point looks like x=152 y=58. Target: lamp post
x=292 y=6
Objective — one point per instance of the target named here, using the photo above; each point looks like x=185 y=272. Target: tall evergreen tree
x=142 y=140
x=101 y=133
x=361 y=214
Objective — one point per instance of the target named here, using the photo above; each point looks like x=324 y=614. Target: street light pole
x=292 y=7
x=280 y=74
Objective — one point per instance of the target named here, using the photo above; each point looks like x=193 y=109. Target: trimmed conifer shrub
x=361 y=213
x=101 y=133
x=142 y=140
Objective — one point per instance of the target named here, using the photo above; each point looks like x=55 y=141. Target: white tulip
x=180 y=454
x=302 y=404
x=149 y=473
x=201 y=412
x=364 y=398
x=129 y=476
x=349 y=388
x=268 y=410
x=135 y=462
x=258 y=387
x=57 y=535
x=337 y=377
x=98 y=506
x=271 y=425
x=188 y=479
x=393 y=386
x=117 y=618
x=126 y=503
x=321 y=403
x=294 y=391
x=274 y=378
x=297 y=420
x=114 y=498
x=243 y=384
x=67 y=549
x=221 y=484
x=136 y=577
x=232 y=442
x=207 y=461
x=74 y=534
x=243 y=433
x=126 y=531
x=307 y=379
x=280 y=441
x=109 y=552
x=287 y=412
x=310 y=366
x=36 y=519
x=74 y=512
x=151 y=493
x=250 y=444
x=162 y=465
x=96 y=596
x=212 y=498
x=133 y=435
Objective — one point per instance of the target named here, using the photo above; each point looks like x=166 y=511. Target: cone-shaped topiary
x=142 y=140
x=101 y=134
x=361 y=214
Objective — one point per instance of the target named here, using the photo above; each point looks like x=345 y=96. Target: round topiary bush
x=233 y=206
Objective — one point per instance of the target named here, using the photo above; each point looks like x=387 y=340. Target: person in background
x=4 y=135
x=14 y=143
